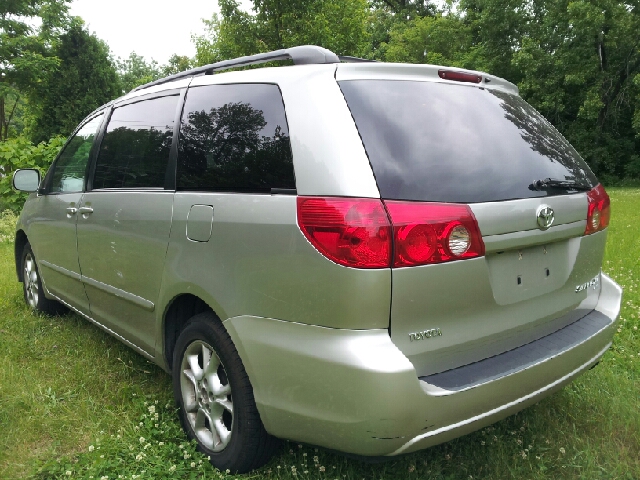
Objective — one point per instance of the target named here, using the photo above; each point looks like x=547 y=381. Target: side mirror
x=26 y=180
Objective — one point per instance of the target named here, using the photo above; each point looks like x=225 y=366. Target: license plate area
x=521 y=274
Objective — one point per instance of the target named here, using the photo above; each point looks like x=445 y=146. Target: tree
x=135 y=71
x=497 y=28
x=578 y=61
x=84 y=79
x=17 y=153
x=406 y=9
x=25 y=51
x=439 y=40
x=176 y=64
x=339 y=25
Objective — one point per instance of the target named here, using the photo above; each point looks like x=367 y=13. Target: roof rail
x=348 y=59
x=302 y=55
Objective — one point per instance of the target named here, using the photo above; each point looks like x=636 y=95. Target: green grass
x=75 y=403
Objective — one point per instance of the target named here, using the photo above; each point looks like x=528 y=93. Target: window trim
x=171 y=175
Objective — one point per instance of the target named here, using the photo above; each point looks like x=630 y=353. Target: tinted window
x=135 y=150
x=70 y=168
x=435 y=142
x=234 y=138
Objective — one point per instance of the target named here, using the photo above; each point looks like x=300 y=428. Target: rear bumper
x=354 y=391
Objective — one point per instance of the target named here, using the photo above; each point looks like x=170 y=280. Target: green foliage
x=387 y=17
x=636 y=117
x=84 y=80
x=228 y=35
x=135 y=71
x=25 y=50
x=8 y=221
x=176 y=64
x=439 y=40
x=497 y=28
x=577 y=61
x=405 y=8
x=338 y=25
x=18 y=153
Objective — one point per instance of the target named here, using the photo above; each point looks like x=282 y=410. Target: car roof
x=311 y=57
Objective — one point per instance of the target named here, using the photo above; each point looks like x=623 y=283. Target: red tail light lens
x=459 y=76
x=425 y=233
x=599 y=210
x=351 y=232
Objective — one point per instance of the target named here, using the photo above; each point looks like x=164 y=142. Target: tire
x=32 y=286
x=217 y=407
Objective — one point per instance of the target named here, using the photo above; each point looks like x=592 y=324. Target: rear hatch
x=433 y=140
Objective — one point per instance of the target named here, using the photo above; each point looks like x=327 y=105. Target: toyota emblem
x=545 y=216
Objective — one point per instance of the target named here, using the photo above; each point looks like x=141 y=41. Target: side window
x=70 y=167
x=234 y=138
x=134 y=152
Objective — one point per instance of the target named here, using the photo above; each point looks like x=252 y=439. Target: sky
x=152 y=28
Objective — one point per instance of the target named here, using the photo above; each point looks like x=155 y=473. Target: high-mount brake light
x=459 y=76
x=599 y=210
x=354 y=232
x=425 y=233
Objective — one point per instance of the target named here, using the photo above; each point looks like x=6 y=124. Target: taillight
x=459 y=76
x=599 y=210
x=360 y=232
x=426 y=233
x=354 y=232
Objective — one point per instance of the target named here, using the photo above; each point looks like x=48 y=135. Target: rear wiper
x=547 y=183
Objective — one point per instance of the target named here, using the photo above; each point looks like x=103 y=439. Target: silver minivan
x=374 y=258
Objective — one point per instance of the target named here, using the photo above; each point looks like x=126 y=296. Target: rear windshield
x=430 y=141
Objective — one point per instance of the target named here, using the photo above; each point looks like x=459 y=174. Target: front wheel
x=32 y=286
x=215 y=397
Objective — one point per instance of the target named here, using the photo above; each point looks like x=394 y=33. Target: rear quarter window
x=234 y=138
x=430 y=141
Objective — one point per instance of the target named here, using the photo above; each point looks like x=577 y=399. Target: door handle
x=72 y=210
x=85 y=210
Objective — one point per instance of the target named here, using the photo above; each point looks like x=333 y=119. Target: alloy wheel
x=206 y=396
x=31 y=280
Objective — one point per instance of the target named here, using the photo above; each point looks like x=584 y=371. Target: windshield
x=431 y=141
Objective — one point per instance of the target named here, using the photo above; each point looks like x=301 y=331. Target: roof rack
x=348 y=59
x=302 y=55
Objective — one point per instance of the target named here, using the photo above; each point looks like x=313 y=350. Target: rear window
x=430 y=141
